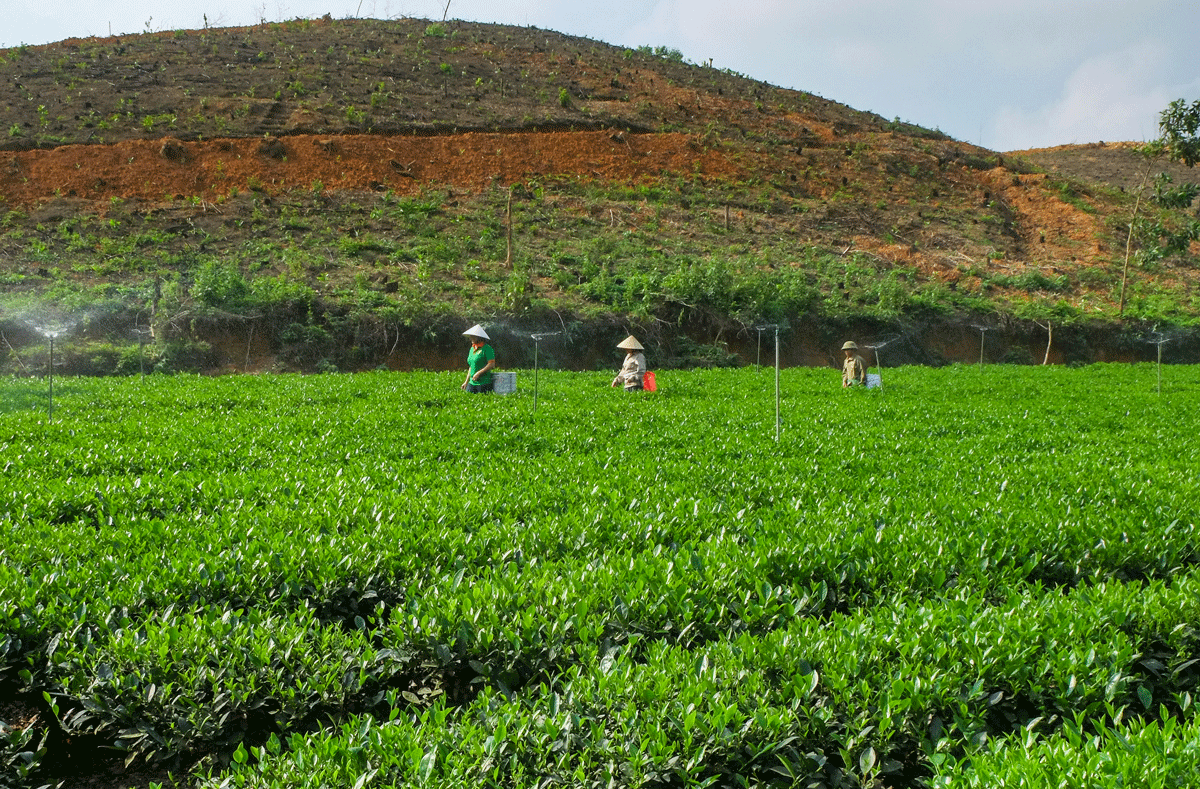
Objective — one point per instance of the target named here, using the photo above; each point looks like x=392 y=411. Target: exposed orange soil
x=1045 y=215
x=165 y=169
x=1053 y=234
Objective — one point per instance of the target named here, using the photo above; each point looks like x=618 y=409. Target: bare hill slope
x=1116 y=165
x=404 y=176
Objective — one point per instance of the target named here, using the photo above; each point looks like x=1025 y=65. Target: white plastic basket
x=504 y=383
x=874 y=381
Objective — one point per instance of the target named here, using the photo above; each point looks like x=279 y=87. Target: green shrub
x=307 y=344
x=184 y=356
x=667 y=53
x=220 y=285
x=273 y=293
x=747 y=295
x=688 y=353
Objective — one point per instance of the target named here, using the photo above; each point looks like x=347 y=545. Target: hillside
x=1116 y=165
x=352 y=193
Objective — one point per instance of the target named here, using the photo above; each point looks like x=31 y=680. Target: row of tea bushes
x=196 y=564
x=901 y=692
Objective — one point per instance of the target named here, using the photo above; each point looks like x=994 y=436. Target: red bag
x=648 y=382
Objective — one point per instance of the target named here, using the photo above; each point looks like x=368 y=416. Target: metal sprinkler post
x=778 y=419
x=52 y=330
x=142 y=332
x=759 y=329
x=537 y=338
x=1158 y=338
x=877 y=347
x=878 y=364
x=51 y=335
x=1159 y=366
x=982 y=331
x=51 y=375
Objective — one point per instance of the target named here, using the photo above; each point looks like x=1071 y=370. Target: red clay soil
x=168 y=169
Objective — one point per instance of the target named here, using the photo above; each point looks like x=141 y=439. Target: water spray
x=537 y=338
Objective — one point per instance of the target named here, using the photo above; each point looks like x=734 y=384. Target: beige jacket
x=633 y=370
x=854 y=371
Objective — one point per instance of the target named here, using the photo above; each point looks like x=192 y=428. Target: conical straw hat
x=476 y=331
x=630 y=343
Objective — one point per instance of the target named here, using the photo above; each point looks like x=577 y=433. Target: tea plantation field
x=973 y=578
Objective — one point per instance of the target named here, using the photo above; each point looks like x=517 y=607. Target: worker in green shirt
x=480 y=361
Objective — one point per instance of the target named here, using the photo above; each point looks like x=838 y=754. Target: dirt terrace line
x=166 y=169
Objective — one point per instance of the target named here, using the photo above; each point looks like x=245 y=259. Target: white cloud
x=1004 y=73
x=993 y=72
x=1116 y=96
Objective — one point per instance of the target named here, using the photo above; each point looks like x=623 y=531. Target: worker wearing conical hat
x=633 y=371
x=854 y=369
x=480 y=361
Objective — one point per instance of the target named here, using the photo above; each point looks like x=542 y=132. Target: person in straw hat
x=854 y=369
x=633 y=371
x=480 y=361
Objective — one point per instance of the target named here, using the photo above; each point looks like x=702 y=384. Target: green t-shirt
x=476 y=360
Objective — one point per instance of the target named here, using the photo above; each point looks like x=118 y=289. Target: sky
x=1004 y=74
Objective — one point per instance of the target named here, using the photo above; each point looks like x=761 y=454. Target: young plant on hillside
x=1179 y=140
x=1180 y=127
